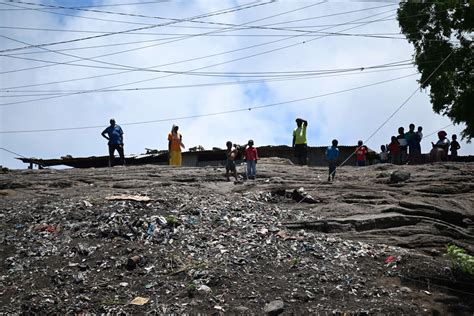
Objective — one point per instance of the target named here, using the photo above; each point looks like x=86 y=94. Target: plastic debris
x=139 y=300
x=137 y=198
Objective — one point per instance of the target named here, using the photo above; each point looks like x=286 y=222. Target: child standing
x=332 y=153
x=360 y=153
x=383 y=154
x=394 y=149
x=454 y=147
x=402 y=145
x=231 y=154
x=251 y=156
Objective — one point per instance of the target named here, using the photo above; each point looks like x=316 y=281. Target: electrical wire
x=216 y=74
x=204 y=67
x=174 y=21
x=285 y=29
x=225 y=83
x=134 y=49
x=188 y=86
x=198 y=58
x=98 y=5
x=409 y=97
x=201 y=22
x=181 y=34
x=396 y=110
x=213 y=113
x=172 y=41
x=35 y=161
x=442 y=128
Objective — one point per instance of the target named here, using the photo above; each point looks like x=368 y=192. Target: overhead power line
x=208 y=66
x=93 y=59
x=213 y=113
x=17 y=154
x=96 y=5
x=190 y=73
x=409 y=97
x=266 y=74
x=239 y=8
x=396 y=111
x=193 y=21
x=187 y=86
x=172 y=41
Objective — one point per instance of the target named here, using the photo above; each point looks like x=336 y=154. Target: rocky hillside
x=184 y=240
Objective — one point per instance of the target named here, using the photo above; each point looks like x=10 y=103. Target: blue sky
x=347 y=116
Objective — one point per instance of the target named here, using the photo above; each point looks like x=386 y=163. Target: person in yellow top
x=299 y=142
x=175 y=143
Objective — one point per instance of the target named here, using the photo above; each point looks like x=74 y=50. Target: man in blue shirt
x=115 y=138
x=332 y=153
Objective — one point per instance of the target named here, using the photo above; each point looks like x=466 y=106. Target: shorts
x=361 y=163
x=230 y=165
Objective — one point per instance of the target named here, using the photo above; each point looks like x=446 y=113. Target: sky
x=251 y=60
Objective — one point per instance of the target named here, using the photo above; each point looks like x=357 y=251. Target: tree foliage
x=439 y=29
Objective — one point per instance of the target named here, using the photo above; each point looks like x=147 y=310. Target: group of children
x=406 y=147
x=403 y=149
x=250 y=156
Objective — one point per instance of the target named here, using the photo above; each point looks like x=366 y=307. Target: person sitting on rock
x=440 y=149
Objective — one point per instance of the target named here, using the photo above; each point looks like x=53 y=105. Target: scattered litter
x=139 y=300
x=201 y=247
x=137 y=198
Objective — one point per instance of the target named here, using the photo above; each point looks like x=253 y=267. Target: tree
x=437 y=30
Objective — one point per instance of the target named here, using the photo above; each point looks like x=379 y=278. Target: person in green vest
x=300 y=145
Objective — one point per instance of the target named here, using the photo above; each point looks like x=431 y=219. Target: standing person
x=231 y=154
x=417 y=158
x=251 y=156
x=403 y=145
x=410 y=136
x=115 y=137
x=299 y=142
x=175 y=143
x=419 y=133
x=383 y=154
x=454 y=147
x=360 y=152
x=332 y=153
x=394 y=150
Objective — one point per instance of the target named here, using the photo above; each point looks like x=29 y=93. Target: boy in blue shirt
x=332 y=153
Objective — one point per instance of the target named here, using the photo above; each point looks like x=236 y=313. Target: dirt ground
x=157 y=239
